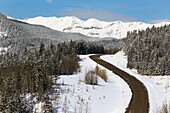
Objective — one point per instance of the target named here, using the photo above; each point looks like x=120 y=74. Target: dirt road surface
x=139 y=102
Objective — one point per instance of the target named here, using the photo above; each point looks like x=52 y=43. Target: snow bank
x=158 y=86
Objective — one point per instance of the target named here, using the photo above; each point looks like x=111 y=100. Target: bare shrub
x=97 y=70
x=75 y=109
x=101 y=73
x=87 y=89
x=167 y=86
x=65 y=107
x=91 y=78
x=87 y=108
x=165 y=108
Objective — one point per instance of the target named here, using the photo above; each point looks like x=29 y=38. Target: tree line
x=28 y=73
x=149 y=51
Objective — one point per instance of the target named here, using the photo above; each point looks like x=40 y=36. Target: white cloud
x=159 y=21
x=98 y=14
x=49 y=1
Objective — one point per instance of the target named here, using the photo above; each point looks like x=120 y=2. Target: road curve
x=139 y=102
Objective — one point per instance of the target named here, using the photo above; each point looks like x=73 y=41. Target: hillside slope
x=17 y=35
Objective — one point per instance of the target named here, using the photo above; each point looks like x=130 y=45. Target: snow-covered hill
x=91 y=27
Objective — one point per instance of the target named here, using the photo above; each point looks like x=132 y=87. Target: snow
x=92 y=22
x=54 y=22
x=158 y=86
x=2 y=50
x=112 y=96
x=2 y=33
x=91 y=27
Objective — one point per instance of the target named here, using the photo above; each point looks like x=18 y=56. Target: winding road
x=139 y=102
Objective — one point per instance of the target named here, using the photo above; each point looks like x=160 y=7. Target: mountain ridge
x=17 y=35
x=91 y=27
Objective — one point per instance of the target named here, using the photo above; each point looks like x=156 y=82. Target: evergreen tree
x=148 y=51
x=48 y=105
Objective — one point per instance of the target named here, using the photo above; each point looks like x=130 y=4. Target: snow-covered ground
x=2 y=50
x=73 y=95
x=91 y=27
x=158 y=86
x=112 y=96
x=2 y=33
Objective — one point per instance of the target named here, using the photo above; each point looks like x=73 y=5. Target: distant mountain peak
x=91 y=27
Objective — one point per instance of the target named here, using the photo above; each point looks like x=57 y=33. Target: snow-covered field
x=112 y=96
x=71 y=94
x=158 y=86
x=91 y=27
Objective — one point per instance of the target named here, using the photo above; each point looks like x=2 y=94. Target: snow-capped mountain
x=17 y=35
x=91 y=27
x=55 y=23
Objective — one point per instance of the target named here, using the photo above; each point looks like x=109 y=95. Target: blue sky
x=151 y=11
